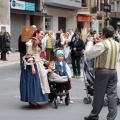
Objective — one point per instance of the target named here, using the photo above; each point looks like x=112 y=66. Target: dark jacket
x=21 y=46
x=78 y=44
x=5 y=42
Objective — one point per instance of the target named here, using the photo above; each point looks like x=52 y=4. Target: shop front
x=83 y=22
x=23 y=13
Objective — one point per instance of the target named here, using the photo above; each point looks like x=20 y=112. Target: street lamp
x=107 y=8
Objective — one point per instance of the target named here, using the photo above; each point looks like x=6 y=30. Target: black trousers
x=105 y=83
x=76 y=65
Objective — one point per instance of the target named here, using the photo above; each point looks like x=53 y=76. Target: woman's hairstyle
x=108 y=31
x=37 y=31
x=77 y=33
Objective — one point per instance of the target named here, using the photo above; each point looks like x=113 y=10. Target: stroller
x=56 y=84
x=89 y=76
x=55 y=88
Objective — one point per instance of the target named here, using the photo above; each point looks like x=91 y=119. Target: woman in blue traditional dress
x=34 y=85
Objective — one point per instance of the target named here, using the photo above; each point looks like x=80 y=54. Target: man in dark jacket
x=22 y=45
x=21 y=49
x=76 y=45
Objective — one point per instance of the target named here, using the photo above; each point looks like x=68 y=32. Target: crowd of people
x=100 y=50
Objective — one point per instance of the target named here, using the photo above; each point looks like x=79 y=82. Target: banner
x=21 y=5
x=15 y=4
x=26 y=33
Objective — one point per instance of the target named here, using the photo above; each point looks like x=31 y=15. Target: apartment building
x=23 y=13
x=48 y=14
x=86 y=14
x=92 y=15
x=115 y=13
x=60 y=14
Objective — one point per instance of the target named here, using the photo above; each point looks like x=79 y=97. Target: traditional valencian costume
x=33 y=88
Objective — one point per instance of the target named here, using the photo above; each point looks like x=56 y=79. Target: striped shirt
x=106 y=53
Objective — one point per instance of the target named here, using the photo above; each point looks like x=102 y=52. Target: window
x=112 y=7
x=118 y=6
x=84 y=3
x=62 y=23
x=48 y=23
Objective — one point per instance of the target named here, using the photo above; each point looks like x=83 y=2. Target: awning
x=27 y=12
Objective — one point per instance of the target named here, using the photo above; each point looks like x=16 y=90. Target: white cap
x=34 y=26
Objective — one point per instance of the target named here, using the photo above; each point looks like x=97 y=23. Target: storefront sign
x=83 y=18
x=15 y=4
x=26 y=33
x=29 y=6
x=21 y=5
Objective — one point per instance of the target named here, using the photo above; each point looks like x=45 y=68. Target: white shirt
x=96 y=50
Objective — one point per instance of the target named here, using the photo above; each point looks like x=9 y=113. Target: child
x=53 y=76
x=64 y=69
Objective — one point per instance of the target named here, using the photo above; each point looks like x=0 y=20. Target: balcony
x=69 y=4
x=94 y=9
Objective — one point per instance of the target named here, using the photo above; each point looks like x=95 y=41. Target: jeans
x=76 y=65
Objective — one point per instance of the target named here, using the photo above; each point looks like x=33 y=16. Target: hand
x=49 y=70
x=84 y=54
x=33 y=71
x=74 y=49
x=73 y=39
x=98 y=40
x=69 y=79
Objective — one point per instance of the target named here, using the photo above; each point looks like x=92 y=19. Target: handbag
x=78 y=53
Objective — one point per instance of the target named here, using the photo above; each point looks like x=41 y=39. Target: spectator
x=76 y=45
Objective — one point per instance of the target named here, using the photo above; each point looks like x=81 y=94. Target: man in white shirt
x=106 y=54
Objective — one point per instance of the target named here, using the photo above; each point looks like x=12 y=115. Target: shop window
x=48 y=23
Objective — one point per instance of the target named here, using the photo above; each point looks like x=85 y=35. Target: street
x=11 y=108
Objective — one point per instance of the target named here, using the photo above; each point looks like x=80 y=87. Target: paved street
x=11 y=108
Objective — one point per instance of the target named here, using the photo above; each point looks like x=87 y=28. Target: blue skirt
x=30 y=87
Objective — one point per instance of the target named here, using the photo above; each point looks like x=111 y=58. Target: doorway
x=62 y=23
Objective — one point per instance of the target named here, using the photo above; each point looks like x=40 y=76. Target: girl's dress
x=33 y=88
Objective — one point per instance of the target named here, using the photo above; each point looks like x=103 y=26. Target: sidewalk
x=12 y=58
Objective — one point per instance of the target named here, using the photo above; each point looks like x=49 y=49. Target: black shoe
x=74 y=76
x=89 y=118
x=86 y=118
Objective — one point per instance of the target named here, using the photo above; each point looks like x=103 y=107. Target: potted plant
x=107 y=19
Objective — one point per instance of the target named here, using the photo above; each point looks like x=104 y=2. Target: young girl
x=64 y=69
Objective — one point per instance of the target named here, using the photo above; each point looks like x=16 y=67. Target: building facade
x=23 y=13
x=92 y=15
x=48 y=14
x=5 y=15
x=115 y=13
x=61 y=14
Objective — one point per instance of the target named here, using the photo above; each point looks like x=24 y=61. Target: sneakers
x=78 y=76
x=71 y=102
x=61 y=101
